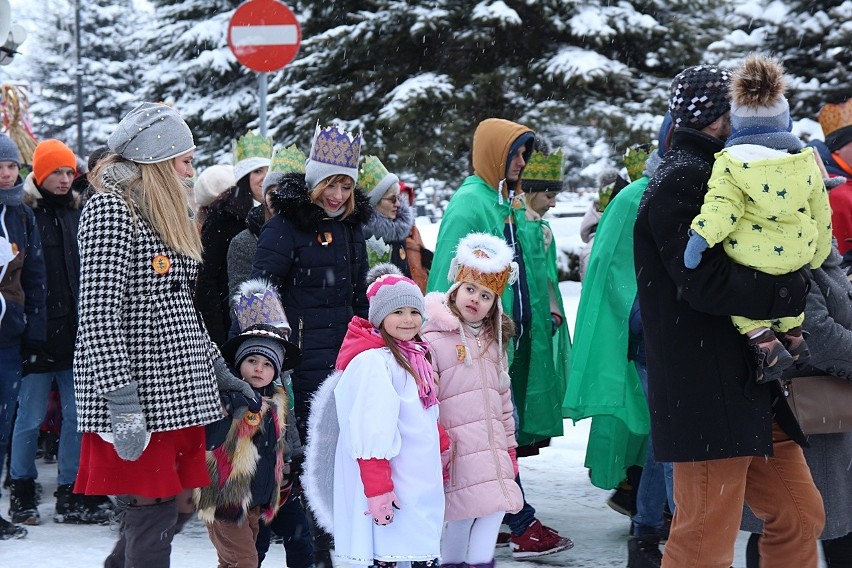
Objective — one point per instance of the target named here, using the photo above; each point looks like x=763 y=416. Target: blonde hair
x=160 y=196
x=316 y=192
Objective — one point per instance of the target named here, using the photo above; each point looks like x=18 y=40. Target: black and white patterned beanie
x=699 y=95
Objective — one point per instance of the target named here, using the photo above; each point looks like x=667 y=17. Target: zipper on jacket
x=301 y=327
x=453 y=466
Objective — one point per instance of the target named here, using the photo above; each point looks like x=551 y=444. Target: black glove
x=237 y=404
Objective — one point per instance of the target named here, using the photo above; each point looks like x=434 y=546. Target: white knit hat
x=212 y=182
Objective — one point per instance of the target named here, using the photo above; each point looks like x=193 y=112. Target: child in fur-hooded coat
x=245 y=457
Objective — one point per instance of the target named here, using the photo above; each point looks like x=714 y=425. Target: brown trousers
x=709 y=499
x=235 y=543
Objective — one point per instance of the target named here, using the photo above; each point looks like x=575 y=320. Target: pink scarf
x=415 y=352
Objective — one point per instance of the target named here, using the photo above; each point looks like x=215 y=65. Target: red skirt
x=173 y=461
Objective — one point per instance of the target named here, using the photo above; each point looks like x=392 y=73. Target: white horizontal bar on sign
x=264 y=35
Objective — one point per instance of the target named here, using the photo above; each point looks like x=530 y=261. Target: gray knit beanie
x=151 y=133
x=9 y=150
x=269 y=348
x=388 y=290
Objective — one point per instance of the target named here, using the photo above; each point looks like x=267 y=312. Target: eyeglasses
x=392 y=199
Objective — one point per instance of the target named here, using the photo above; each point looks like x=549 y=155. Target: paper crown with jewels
x=333 y=152
x=288 y=160
x=251 y=152
x=543 y=172
x=485 y=260
x=257 y=302
x=374 y=179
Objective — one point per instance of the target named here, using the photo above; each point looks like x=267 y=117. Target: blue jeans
x=655 y=486
x=10 y=382
x=32 y=406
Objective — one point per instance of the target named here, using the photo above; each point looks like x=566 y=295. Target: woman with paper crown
x=468 y=334
x=313 y=250
x=392 y=218
x=225 y=219
x=146 y=373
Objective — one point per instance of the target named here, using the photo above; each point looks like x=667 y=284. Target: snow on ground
x=556 y=484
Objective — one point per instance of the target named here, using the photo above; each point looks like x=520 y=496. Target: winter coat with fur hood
x=394 y=233
x=319 y=265
x=245 y=461
x=476 y=412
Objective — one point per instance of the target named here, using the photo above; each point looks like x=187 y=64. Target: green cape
x=604 y=385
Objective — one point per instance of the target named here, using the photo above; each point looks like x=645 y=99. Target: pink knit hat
x=388 y=290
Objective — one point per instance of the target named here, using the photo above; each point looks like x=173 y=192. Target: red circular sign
x=264 y=35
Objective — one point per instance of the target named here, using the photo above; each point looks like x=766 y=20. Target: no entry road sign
x=264 y=35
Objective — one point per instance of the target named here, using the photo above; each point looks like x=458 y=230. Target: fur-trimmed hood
x=290 y=200
x=391 y=230
x=438 y=315
x=33 y=197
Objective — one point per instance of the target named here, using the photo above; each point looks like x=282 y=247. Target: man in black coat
x=730 y=438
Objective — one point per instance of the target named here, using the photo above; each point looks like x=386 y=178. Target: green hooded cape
x=604 y=385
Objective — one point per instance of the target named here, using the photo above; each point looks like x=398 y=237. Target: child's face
x=403 y=324
x=257 y=371
x=8 y=174
x=474 y=302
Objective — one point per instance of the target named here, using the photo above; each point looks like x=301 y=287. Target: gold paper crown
x=333 y=145
x=372 y=173
x=835 y=116
x=485 y=260
x=290 y=160
x=635 y=157
x=258 y=302
x=544 y=168
x=252 y=145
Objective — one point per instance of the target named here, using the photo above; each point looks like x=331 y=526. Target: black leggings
x=417 y=564
x=837 y=552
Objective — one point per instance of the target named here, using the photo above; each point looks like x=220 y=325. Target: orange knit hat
x=49 y=156
x=836 y=122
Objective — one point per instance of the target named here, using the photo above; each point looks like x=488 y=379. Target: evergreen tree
x=191 y=67
x=417 y=77
x=109 y=79
x=812 y=39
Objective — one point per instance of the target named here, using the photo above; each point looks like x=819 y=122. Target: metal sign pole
x=261 y=87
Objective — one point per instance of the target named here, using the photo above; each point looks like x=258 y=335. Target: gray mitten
x=128 y=422
x=228 y=382
x=831 y=183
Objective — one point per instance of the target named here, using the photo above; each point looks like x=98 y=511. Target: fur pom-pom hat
x=485 y=260
x=256 y=302
x=760 y=113
x=388 y=290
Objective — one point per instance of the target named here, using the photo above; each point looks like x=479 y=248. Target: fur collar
x=290 y=200
x=438 y=315
x=391 y=230
x=33 y=197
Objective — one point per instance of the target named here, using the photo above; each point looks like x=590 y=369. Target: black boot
x=644 y=552
x=23 y=505
x=74 y=508
x=8 y=530
x=146 y=536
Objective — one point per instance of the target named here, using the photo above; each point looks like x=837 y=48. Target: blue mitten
x=694 y=249
x=128 y=422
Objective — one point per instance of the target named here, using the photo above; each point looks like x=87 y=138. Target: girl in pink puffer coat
x=466 y=330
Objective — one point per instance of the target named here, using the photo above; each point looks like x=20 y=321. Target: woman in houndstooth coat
x=145 y=369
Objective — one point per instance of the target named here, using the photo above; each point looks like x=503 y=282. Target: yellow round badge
x=161 y=264
x=252 y=418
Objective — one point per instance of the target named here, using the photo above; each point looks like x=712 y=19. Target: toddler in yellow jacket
x=767 y=203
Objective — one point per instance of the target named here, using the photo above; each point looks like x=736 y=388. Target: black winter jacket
x=705 y=403
x=57 y=219
x=226 y=219
x=319 y=265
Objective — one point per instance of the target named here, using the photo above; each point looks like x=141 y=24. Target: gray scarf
x=391 y=230
x=14 y=195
